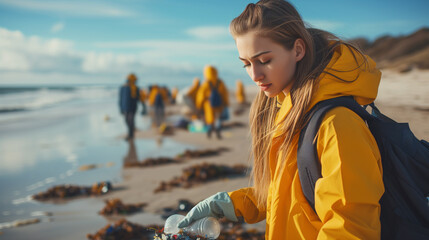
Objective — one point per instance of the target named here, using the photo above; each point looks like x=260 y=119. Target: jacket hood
x=210 y=73
x=347 y=74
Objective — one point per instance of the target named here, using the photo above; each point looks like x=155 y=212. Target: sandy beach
x=403 y=97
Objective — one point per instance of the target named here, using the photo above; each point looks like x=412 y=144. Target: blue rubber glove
x=218 y=205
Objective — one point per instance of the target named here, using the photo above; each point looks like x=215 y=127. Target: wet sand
x=403 y=97
x=140 y=182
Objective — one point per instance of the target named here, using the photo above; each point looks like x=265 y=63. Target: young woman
x=295 y=68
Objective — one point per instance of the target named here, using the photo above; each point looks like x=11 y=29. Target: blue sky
x=166 y=41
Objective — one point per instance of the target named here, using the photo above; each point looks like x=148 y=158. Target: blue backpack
x=405 y=160
x=215 y=97
x=159 y=102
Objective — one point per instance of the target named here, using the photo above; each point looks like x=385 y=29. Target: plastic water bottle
x=207 y=227
x=170 y=226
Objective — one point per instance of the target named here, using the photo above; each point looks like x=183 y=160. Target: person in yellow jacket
x=190 y=98
x=296 y=67
x=239 y=93
x=157 y=100
x=212 y=98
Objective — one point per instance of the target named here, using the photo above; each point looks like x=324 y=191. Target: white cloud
x=14 y=61
x=31 y=59
x=174 y=51
x=326 y=25
x=170 y=56
x=75 y=8
x=209 y=32
x=108 y=62
x=170 y=45
x=102 y=63
x=21 y=53
x=57 y=27
x=16 y=41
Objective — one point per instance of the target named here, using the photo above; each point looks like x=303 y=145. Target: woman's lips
x=264 y=87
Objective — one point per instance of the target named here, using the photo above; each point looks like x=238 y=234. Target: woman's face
x=270 y=65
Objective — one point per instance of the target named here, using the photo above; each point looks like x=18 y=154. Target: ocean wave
x=20 y=99
x=10 y=110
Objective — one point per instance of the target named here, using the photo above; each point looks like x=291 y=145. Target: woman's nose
x=256 y=74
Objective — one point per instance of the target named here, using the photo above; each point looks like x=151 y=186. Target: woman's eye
x=246 y=65
x=266 y=62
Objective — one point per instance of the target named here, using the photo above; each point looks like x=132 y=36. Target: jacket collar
x=284 y=102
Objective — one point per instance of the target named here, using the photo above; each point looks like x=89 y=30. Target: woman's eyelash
x=263 y=63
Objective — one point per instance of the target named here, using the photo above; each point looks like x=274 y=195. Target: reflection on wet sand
x=131 y=156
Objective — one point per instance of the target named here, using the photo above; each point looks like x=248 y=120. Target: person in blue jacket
x=128 y=99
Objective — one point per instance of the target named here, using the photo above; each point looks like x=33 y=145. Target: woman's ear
x=299 y=49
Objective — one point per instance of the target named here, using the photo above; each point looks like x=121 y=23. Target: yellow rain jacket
x=203 y=94
x=154 y=91
x=240 y=95
x=192 y=92
x=143 y=95
x=347 y=196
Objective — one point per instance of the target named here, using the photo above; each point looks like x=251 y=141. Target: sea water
x=47 y=133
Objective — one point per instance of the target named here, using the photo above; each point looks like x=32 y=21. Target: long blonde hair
x=279 y=21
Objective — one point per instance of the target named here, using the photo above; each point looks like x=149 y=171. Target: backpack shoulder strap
x=215 y=86
x=309 y=168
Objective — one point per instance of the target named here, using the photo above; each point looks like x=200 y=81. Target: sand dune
x=402 y=53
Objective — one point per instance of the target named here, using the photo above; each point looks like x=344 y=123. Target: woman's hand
x=218 y=205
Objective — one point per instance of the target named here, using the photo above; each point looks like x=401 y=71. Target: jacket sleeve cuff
x=227 y=206
x=246 y=206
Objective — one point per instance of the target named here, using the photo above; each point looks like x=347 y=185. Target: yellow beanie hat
x=132 y=78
